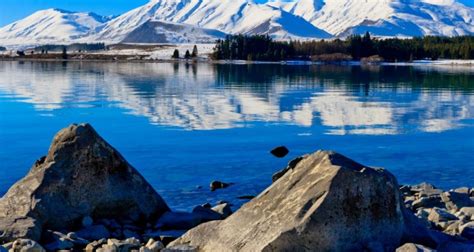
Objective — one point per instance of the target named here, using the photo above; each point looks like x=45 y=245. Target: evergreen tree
x=175 y=54
x=262 y=47
x=187 y=55
x=195 y=52
x=64 y=53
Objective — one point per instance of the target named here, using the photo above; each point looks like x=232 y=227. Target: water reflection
x=344 y=100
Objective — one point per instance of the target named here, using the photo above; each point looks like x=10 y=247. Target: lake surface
x=183 y=126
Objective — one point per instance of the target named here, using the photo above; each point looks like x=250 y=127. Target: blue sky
x=12 y=10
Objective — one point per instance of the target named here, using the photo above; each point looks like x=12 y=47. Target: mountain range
x=180 y=21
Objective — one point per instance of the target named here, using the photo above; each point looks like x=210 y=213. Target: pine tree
x=175 y=54
x=64 y=54
x=195 y=52
x=187 y=55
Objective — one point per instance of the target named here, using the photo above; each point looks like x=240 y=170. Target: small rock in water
x=280 y=152
x=218 y=185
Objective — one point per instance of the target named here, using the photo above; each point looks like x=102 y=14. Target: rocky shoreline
x=85 y=196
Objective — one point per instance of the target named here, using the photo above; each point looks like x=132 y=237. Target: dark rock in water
x=82 y=175
x=280 y=152
x=246 y=197
x=218 y=185
x=327 y=203
x=292 y=164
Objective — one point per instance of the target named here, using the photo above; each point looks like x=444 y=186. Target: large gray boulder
x=82 y=175
x=327 y=202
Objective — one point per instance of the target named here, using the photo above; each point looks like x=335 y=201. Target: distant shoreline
x=124 y=58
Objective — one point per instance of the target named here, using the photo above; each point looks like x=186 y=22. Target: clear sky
x=12 y=10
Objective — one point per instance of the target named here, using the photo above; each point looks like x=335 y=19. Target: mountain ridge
x=210 y=19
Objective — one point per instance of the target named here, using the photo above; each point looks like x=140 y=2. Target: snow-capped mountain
x=230 y=16
x=50 y=26
x=166 y=32
x=384 y=17
x=205 y=20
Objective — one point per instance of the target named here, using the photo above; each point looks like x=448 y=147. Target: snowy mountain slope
x=385 y=17
x=166 y=32
x=50 y=26
x=230 y=16
x=199 y=20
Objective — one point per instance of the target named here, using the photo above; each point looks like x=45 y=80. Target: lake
x=184 y=125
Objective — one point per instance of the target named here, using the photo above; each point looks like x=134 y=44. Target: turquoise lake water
x=183 y=126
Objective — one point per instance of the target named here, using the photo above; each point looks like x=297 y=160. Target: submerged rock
x=215 y=185
x=82 y=175
x=326 y=203
x=280 y=152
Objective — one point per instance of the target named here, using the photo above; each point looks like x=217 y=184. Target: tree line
x=356 y=47
x=187 y=55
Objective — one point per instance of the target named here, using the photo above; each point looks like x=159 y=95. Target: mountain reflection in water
x=183 y=125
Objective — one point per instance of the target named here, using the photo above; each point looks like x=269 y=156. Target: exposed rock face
x=82 y=175
x=327 y=202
